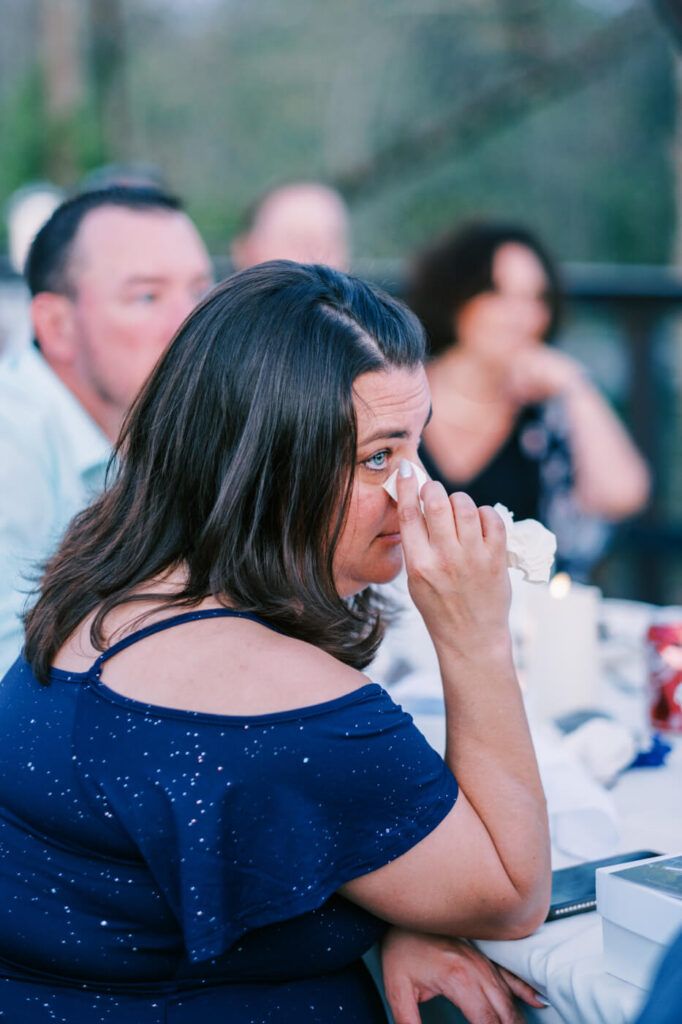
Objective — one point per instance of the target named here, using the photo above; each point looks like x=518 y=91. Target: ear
x=52 y=316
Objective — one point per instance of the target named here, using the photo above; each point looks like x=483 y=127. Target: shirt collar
x=89 y=445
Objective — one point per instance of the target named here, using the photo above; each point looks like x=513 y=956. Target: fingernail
x=541 y=999
x=405 y=468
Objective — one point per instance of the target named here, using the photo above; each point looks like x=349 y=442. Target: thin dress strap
x=172 y=620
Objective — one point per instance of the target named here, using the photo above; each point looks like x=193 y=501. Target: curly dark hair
x=459 y=266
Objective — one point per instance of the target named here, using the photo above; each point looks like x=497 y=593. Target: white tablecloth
x=564 y=959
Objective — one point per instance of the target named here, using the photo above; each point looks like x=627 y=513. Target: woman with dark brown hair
x=208 y=812
x=516 y=420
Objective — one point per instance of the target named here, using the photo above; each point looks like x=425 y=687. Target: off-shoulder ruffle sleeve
x=248 y=821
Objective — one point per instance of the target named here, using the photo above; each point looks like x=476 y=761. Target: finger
x=502 y=1002
x=495 y=534
x=402 y=1001
x=500 y=998
x=413 y=530
x=522 y=989
x=493 y=530
x=438 y=513
x=474 y=1004
x=467 y=521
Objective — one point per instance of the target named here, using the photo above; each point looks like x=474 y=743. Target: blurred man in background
x=112 y=275
x=304 y=221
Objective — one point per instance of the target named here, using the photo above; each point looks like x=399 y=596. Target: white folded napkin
x=604 y=747
x=583 y=819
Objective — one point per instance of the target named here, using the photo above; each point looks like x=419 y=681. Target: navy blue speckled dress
x=160 y=866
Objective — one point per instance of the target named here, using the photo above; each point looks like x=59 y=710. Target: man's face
x=136 y=275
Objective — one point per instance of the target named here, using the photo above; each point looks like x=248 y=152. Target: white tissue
x=391 y=486
x=530 y=546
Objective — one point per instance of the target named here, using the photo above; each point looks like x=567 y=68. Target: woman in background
x=514 y=419
x=207 y=811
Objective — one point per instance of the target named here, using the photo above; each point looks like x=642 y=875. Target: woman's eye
x=378 y=461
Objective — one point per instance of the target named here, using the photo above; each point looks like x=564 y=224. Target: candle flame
x=560 y=585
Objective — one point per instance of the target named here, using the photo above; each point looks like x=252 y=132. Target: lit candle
x=560 y=650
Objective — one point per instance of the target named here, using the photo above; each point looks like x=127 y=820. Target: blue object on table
x=655 y=756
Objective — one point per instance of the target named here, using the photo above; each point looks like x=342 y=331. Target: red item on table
x=665 y=676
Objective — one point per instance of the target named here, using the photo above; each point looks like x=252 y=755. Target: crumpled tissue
x=530 y=546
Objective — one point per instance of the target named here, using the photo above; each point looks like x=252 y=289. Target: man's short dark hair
x=48 y=261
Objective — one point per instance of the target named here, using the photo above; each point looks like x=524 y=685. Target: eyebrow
x=142 y=279
x=147 y=279
x=387 y=434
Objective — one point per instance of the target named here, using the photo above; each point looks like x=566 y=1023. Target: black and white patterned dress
x=532 y=474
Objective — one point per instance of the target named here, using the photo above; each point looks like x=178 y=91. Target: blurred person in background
x=112 y=274
x=134 y=174
x=26 y=211
x=306 y=222
x=514 y=419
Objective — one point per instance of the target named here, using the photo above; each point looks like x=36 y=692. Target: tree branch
x=506 y=100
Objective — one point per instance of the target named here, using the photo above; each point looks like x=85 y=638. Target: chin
x=388 y=571
x=348 y=588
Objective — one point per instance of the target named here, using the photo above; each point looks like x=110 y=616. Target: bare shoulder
x=231 y=666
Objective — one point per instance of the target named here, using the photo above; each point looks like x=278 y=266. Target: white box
x=638 y=920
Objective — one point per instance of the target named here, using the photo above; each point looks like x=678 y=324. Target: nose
x=419 y=462
x=413 y=456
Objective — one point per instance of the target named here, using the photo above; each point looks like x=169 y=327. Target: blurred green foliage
x=24 y=131
x=560 y=113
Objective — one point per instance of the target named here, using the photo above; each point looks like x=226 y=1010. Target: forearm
x=458 y=578
x=489 y=750
x=611 y=477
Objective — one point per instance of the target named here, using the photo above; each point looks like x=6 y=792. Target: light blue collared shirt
x=53 y=457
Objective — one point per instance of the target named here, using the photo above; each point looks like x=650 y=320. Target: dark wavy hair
x=458 y=267
x=236 y=462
